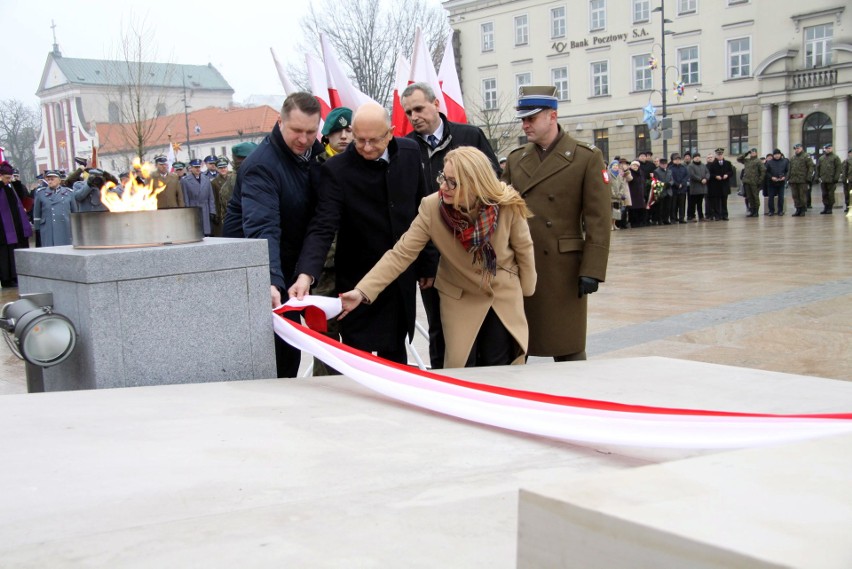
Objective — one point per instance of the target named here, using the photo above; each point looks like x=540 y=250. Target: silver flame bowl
x=127 y=229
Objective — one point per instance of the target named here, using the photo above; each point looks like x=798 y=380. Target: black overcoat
x=369 y=204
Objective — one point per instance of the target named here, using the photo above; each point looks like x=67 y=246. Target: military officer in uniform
x=171 y=196
x=52 y=211
x=801 y=170
x=828 y=170
x=221 y=206
x=566 y=185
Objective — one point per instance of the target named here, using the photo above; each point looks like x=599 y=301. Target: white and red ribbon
x=587 y=421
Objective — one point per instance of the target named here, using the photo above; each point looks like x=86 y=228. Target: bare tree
x=497 y=121
x=139 y=92
x=369 y=35
x=19 y=126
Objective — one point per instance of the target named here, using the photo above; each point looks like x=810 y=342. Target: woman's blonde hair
x=475 y=181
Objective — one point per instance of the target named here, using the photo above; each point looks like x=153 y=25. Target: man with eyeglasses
x=436 y=136
x=369 y=195
x=566 y=185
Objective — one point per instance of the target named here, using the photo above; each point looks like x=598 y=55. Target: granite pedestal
x=158 y=315
x=322 y=473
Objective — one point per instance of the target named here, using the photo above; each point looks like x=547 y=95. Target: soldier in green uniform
x=754 y=173
x=801 y=171
x=828 y=170
x=566 y=185
x=846 y=180
x=222 y=175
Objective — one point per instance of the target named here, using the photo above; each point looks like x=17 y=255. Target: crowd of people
x=504 y=253
x=686 y=188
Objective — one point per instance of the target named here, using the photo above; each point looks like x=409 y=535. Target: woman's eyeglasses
x=451 y=184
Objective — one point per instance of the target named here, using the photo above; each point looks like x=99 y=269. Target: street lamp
x=664 y=32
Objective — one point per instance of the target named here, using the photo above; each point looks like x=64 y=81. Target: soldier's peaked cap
x=534 y=99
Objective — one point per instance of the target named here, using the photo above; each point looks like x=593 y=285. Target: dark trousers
x=287 y=358
x=663 y=209
x=636 y=216
x=494 y=345
x=828 y=195
x=752 y=192
x=714 y=206
x=846 y=189
x=696 y=202
x=776 y=194
x=679 y=207
x=432 y=306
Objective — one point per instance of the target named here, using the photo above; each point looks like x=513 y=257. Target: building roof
x=205 y=125
x=115 y=73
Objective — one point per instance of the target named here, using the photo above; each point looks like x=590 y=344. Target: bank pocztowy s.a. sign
x=593 y=41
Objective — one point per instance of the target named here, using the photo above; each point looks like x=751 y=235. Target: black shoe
x=769 y=213
x=780 y=213
x=825 y=212
x=798 y=212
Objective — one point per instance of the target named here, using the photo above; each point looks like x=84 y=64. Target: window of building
x=739 y=58
x=818 y=45
x=689 y=136
x=687 y=62
x=641 y=11
x=58 y=117
x=643 y=80
x=557 y=22
x=161 y=109
x=522 y=79
x=642 y=138
x=559 y=79
x=738 y=131
x=522 y=140
x=817 y=130
x=224 y=152
x=597 y=15
x=489 y=94
x=522 y=30
x=114 y=113
x=600 y=78
x=487 y=36
x=601 y=138
x=212 y=151
x=687 y=7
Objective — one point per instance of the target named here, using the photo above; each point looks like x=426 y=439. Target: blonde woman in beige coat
x=479 y=225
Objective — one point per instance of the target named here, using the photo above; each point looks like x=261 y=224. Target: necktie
x=432 y=140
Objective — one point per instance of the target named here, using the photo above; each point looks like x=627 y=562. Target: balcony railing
x=812 y=78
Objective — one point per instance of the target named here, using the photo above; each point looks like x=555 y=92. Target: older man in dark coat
x=566 y=185
x=719 y=186
x=273 y=200
x=436 y=136
x=369 y=195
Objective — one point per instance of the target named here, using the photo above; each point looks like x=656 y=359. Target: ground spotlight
x=35 y=333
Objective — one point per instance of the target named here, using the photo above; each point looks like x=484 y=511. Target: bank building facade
x=731 y=73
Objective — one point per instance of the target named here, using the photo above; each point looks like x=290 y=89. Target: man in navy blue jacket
x=274 y=200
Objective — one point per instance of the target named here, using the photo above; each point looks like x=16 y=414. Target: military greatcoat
x=569 y=194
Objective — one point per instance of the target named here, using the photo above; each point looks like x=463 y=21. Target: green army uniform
x=754 y=172
x=801 y=171
x=828 y=170
x=846 y=174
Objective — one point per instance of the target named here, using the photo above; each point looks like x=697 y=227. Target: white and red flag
x=319 y=84
x=401 y=124
x=341 y=91
x=289 y=88
x=422 y=69
x=450 y=86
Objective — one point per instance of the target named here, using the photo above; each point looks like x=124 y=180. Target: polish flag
x=401 y=124
x=93 y=163
x=289 y=88
x=319 y=84
x=450 y=86
x=422 y=69
x=341 y=91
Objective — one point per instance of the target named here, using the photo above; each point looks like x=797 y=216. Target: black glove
x=81 y=161
x=214 y=219
x=588 y=285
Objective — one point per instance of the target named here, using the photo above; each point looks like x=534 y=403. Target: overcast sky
x=235 y=37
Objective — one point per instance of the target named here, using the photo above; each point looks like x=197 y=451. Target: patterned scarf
x=475 y=238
